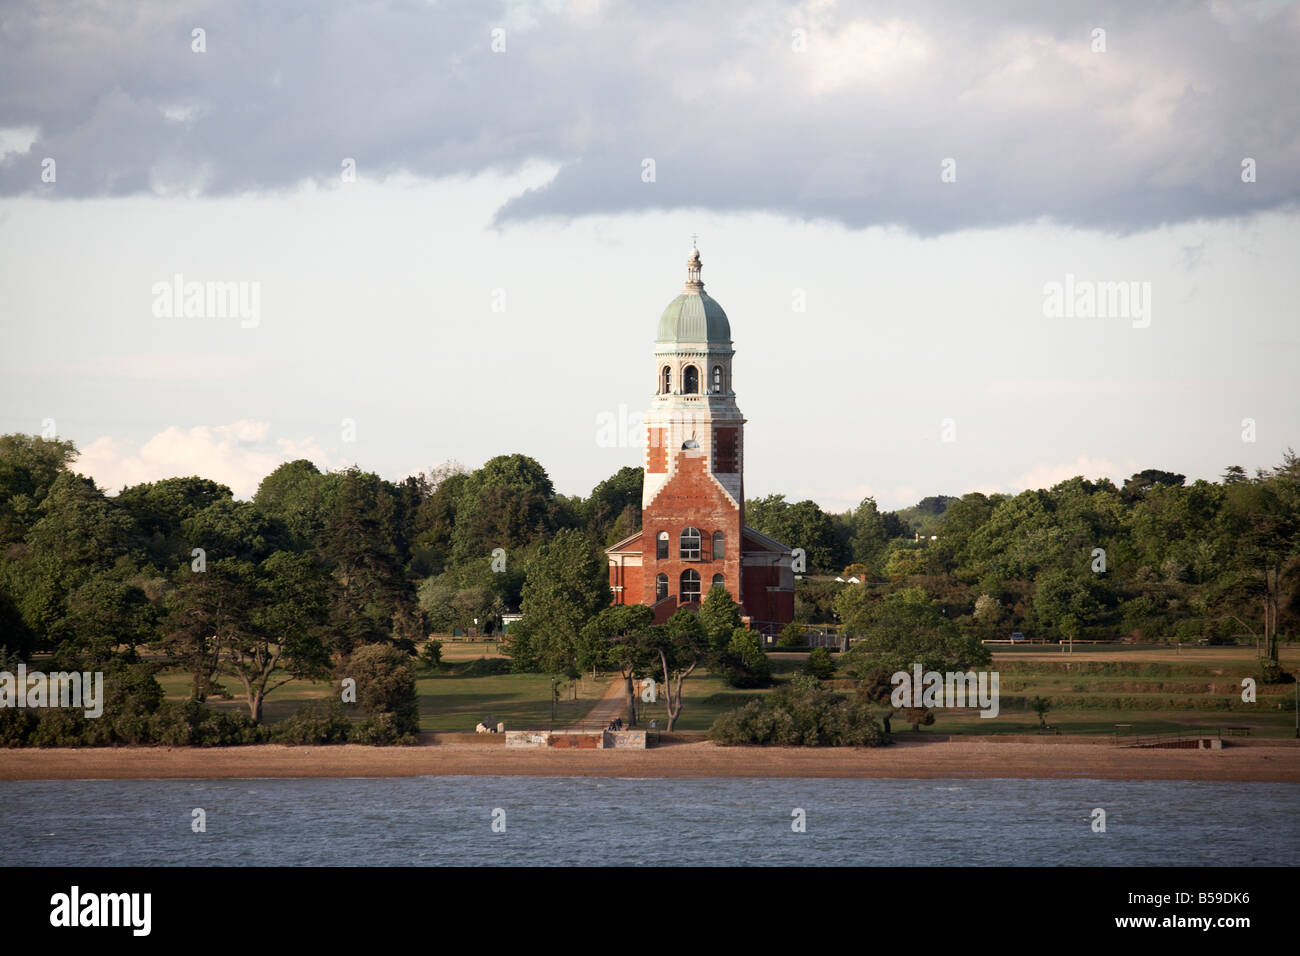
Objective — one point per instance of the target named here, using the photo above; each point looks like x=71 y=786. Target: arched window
x=661 y=587
x=719 y=546
x=666 y=381
x=717 y=378
x=719 y=581
x=690 y=593
x=661 y=546
x=690 y=380
x=691 y=545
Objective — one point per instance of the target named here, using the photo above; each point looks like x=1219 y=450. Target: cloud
x=853 y=127
x=1048 y=475
x=239 y=455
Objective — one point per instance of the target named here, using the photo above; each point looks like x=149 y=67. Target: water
x=423 y=821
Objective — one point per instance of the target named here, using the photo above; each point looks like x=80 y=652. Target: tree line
x=245 y=595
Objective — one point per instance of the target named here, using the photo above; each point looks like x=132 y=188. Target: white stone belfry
x=694 y=393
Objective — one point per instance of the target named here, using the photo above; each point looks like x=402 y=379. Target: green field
x=519 y=700
x=1153 y=689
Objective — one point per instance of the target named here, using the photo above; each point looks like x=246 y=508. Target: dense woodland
x=318 y=566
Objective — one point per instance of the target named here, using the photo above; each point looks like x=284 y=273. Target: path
x=611 y=706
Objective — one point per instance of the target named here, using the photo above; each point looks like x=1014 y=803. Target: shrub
x=173 y=724
x=819 y=664
x=381 y=730
x=385 y=685
x=1271 y=672
x=192 y=724
x=431 y=654
x=59 y=727
x=16 y=726
x=320 y=722
x=744 y=664
x=131 y=696
x=803 y=714
x=793 y=636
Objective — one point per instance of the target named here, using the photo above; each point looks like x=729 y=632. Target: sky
x=962 y=248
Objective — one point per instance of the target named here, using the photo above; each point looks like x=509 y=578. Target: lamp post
x=552 y=703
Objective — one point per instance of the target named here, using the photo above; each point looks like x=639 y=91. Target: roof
x=762 y=542
x=634 y=538
x=694 y=317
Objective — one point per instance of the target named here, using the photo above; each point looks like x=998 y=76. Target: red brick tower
x=693 y=533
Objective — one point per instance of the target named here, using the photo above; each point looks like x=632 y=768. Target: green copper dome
x=694 y=316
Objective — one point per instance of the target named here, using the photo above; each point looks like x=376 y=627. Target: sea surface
x=513 y=820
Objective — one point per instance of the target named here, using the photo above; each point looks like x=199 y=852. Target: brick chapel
x=693 y=534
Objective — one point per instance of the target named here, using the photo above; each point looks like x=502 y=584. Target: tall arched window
x=691 y=544
x=719 y=581
x=690 y=592
x=665 y=381
x=661 y=587
x=719 y=546
x=661 y=546
x=717 y=378
x=690 y=380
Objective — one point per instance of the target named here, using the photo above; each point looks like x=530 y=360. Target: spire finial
x=693 y=267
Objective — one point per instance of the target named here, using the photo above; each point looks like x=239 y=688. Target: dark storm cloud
x=853 y=129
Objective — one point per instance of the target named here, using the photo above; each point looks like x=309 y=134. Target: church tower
x=693 y=535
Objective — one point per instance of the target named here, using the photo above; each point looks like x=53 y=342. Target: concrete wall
x=577 y=739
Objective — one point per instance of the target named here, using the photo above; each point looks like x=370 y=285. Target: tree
x=28 y=467
x=160 y=509
x=1040 y=706
x=802 y=525
x=505 y=504
x=1263 y=516
x=819 y=664
x=371 y=593
x=744 y=664
x=896 y=634
x=719 y=617
x=1066 y=602
x=106 y=612
x=298 y=495
x=681 y=645
x=1139 y=484
x=284 y=632
x=565 y=585
x=870 y=534
x=206 y=612
x=233 y=529
x=619 y=636
x=385 y=685
x=614 y=509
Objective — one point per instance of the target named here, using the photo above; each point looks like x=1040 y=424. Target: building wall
x=625 y=581
x=763 y=603
x=691 y=497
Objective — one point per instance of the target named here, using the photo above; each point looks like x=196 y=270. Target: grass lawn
x=463 y=650
x=520 y=700
x=1162 y=691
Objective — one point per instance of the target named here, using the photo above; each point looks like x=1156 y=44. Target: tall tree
x=565 y=585
x=282 y=639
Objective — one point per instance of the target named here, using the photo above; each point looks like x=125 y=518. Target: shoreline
x=953 y=759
